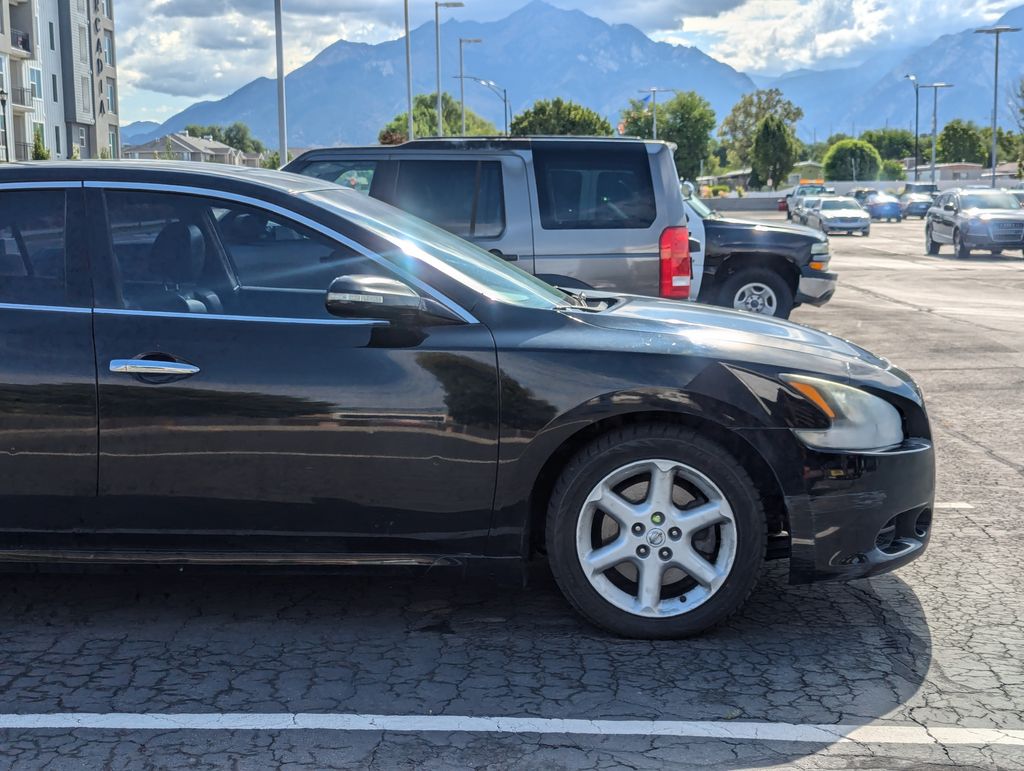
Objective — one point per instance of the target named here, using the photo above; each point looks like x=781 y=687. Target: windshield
x=995 y=200
x=417 y=241
x=840 y=203
x=810 y=189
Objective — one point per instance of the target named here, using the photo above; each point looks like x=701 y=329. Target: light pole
x=997 y=31
x=282 y=122
x=408 y=72
x=437 y=40
x=462 y=76
x=935 y=117
x=498 y=91
x=654 y=105
x=917 y=124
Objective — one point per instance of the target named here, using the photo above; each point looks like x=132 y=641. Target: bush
x=39 y=151
x=852 y=159
x=717 y=191
x=893 y=171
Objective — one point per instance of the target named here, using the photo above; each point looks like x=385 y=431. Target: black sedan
x=975 y=218
x=213 y=366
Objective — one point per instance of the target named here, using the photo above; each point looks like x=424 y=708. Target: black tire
x=771 y=279
x=899 y=219
x=931 y=246
x=866 y=231
x=959 y=249
x=642 y=442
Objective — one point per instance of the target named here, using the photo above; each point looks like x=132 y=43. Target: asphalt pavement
x=921 y=668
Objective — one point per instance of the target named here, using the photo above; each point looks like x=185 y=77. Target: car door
x=230 y=402
x=47 y=368
x=942 y=230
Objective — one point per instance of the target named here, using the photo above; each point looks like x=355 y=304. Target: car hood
x=843 y=213
x=733 y=223
x=667 y=326
x=1015 y=215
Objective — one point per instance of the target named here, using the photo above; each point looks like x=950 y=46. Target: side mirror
x=377 y=297
x=949 y=207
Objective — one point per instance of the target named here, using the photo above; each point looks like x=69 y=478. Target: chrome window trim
x=451 y=305
x=227 y=317
x=40 y=185
x=46 y=308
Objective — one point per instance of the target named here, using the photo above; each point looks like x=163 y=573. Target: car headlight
x=820 y=247
x=859 y=420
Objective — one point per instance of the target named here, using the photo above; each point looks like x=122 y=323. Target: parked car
x=242 y=366
x=806 y=205
x=861 y=194
x=841 y=214
x=975 y=219
x=927 y=188
x=915 y=205
x=591 y=214
x=881 y=206
x=1019 y=195
x=795 y=198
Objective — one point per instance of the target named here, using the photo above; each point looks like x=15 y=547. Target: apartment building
x=58 y=65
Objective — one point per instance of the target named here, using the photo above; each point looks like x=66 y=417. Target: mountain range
x=348 y=91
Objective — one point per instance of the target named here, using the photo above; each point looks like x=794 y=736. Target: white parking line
x=690 y=729
x=953 y=505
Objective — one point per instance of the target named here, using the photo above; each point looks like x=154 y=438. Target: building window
x=112 y=95
x=86 y=94
x=112 y=141
x=56 y=138
x=81 y=6
x=83 y=142
x=53 y=46
x=56 y=98
x=36 y=80
x=108 y=48
x=107 y=10
x=3 y=135
x=83 y=44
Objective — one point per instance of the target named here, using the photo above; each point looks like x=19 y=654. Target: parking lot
x=168 y=669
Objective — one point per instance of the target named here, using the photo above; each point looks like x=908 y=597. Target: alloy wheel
x=656 y=538
x=756 y=297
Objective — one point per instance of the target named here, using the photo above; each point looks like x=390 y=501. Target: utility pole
x=917 y=124
x=408 y=72
x=282 y=121
x=935 y=118
x=654 y=105
x=997 y=31
x=437 y=32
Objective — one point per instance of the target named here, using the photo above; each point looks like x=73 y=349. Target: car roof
x=493 y=143
x=215 y=175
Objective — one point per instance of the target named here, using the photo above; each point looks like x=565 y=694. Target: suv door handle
x=152 y=367
x=506 y=257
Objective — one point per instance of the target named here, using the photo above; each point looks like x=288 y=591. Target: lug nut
x=642 y=551
x=657 y=518
x=665 y=554
x=675 y=533
x=638 y=529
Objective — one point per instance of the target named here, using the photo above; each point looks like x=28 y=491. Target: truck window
x=355 y=174
x=582 y=189
x=463 y=197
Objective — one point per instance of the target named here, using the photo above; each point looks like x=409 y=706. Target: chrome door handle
x=152 y=367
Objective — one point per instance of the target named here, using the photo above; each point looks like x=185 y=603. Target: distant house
x=946 y=172
x=182 y=147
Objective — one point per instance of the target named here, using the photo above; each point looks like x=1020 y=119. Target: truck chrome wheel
x=656 y=538
x=756 y=298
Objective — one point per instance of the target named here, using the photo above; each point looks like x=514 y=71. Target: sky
x=172 y=53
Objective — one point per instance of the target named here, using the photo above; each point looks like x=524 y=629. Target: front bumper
x=816 y=287
x=885 y=212
x=994 y=236
x=916 y=209
x=849 y=226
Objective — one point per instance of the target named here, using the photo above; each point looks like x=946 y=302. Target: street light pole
x=437 y=32
x=462 y=76
x=654 y=106
x=498 y=91
x=917 y=124
x=408 y=72
x=935 y=117
x=282 y=122
x=997 y=31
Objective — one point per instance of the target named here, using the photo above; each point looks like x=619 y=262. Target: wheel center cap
x=655 y=537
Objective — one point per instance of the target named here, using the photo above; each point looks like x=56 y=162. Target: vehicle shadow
x=436 y=644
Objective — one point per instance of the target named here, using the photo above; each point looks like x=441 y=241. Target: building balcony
x=22 y=151
x=22 y=98
x=21 y=41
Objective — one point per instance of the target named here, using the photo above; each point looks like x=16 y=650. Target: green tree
x=1007 y=144
x=424 y=120
x=892 y=170
x=852 y=159
x=685 y=120
x=39 y=151
x=775 y=150
x=559 y=117
x=961 y=141
x=272 y=160
x=740 y=126
x=892 y=143
x=238 y=135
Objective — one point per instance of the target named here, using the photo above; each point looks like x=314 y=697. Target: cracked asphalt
x=938 y=644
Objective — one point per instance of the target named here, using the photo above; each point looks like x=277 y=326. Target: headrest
x=178 y=254
x=248 y=228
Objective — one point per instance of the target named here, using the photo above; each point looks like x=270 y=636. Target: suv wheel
x=758 y=290
x=959 y=248
x=931 y=245
x=655 y=532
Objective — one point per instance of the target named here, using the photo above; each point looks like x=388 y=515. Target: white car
x=839 y=215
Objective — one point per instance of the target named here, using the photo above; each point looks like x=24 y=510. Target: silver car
x=839 y=214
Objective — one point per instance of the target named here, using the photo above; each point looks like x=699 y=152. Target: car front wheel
x=930 y=244
x=758 y=290
x=654 y=531
x=959 y=247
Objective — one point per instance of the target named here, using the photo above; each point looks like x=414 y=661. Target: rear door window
x=33 y=247
x=463 y=197
x=584 y=189
x=353 y=174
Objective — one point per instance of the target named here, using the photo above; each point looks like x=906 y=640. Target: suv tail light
x=676 y=271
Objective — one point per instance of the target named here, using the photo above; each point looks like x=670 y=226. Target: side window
x=190 y=254
x=33 y=247
x=583 y=189
x=354 y=174
x=463 y=197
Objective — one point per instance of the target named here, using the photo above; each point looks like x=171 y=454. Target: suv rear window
x=463 y=197
x=32 y=247
x=357 y=175
x=583 y=189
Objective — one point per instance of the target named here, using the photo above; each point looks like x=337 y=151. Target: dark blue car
x=883 y=207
